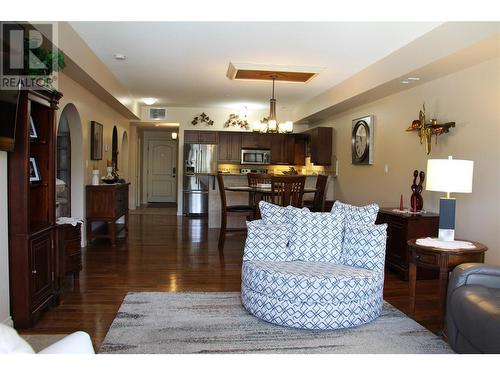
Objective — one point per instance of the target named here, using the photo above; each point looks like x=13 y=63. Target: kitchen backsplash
x=307 y=169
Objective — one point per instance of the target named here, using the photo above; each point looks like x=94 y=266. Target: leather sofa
x=473 y=309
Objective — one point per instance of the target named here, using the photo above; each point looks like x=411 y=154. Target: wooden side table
x=443 y=260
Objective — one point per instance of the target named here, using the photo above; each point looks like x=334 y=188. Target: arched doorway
x=114 y=148
x=70 y=119
x=63 y=169
x=124 y=156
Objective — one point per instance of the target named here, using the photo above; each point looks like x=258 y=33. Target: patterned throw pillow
x=354 y=215
x=267 y=242
x=316 y=236
x=274 y=214
x=364 y=246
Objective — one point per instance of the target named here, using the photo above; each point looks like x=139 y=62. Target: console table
x=443 y=260
x=400 y=228
x=107 y=203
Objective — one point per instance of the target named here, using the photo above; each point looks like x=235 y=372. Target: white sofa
x=314 y=270
x=75 y=343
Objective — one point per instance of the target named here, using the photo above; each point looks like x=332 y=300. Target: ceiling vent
x=286 y=73
x=156 y=113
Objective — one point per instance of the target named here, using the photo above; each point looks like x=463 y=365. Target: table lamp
x=449 y=176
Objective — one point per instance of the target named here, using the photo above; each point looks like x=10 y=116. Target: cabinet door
x=278 y=149
x=321 y=146
x=41 y=266
x=191 y=136
x=235 y=148
x=208 y=137
x=229 y=147
x=299 y=150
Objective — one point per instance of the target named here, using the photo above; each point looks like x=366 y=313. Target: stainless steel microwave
x=255 y=156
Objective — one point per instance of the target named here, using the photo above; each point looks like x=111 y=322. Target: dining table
x=257 y=193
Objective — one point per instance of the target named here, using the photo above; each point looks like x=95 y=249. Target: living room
x=445 y=71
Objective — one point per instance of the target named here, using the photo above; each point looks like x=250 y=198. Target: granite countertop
x=244 y=174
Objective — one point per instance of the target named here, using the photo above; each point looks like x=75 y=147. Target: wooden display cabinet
x=32 y=245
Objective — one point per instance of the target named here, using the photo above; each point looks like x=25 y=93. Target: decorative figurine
x=416 y=200
x=426 y=131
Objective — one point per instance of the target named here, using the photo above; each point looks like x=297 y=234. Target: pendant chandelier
x=269 y=124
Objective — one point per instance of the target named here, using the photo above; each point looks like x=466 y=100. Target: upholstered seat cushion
x=310 y=282
x=311 y=295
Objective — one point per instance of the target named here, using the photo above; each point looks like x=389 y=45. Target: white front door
x=161 y=171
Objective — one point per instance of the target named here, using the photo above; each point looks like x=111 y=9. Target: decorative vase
x=95 y=177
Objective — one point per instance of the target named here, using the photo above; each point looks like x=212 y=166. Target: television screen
x=8 y=110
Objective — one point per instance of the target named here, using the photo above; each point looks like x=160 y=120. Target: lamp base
x=446 y=235
x=447 y=219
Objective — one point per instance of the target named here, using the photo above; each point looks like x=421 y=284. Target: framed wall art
x=34 y=171
x=362 y=141
x=33 y=133
x=95 y=140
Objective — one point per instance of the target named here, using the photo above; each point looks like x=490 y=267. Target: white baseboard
x=8 y=322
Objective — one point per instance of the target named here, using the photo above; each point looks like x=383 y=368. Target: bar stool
x=230 y=210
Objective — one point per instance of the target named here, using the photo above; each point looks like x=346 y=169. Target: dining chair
x=317 y=204
x=254 y=199
x=226 y=211
x=287 y=190
x=258 y=178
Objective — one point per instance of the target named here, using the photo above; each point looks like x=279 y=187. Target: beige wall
x=471 y=98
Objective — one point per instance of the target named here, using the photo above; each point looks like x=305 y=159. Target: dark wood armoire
x=32 y=233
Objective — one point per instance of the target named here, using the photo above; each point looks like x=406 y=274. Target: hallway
x=170 y=253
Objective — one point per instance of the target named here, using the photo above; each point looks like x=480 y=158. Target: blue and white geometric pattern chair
x=313 y=294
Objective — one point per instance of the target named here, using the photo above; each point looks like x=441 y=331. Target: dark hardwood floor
x=169 y=253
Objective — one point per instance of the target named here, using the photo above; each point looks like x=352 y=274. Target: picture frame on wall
x=96 y=130
x=362 y=140
x=33 y=132
x=35 y=175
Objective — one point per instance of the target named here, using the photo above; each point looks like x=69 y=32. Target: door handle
x=173 y=171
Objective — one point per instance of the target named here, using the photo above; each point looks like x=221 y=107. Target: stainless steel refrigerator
x=200 y=166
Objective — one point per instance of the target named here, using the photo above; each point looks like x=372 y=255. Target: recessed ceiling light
x=120 y=56
x=413 y=79
x=405 y=82
x=149 y=101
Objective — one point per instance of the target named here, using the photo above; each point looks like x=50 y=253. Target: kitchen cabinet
x=256 y=141
x=202 y=137
x=229 y=147
x=320 y=145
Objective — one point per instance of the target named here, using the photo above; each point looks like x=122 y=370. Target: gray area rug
x=213 y=322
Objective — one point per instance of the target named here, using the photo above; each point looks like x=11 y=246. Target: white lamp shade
x=449 y=175
x=271 y=125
